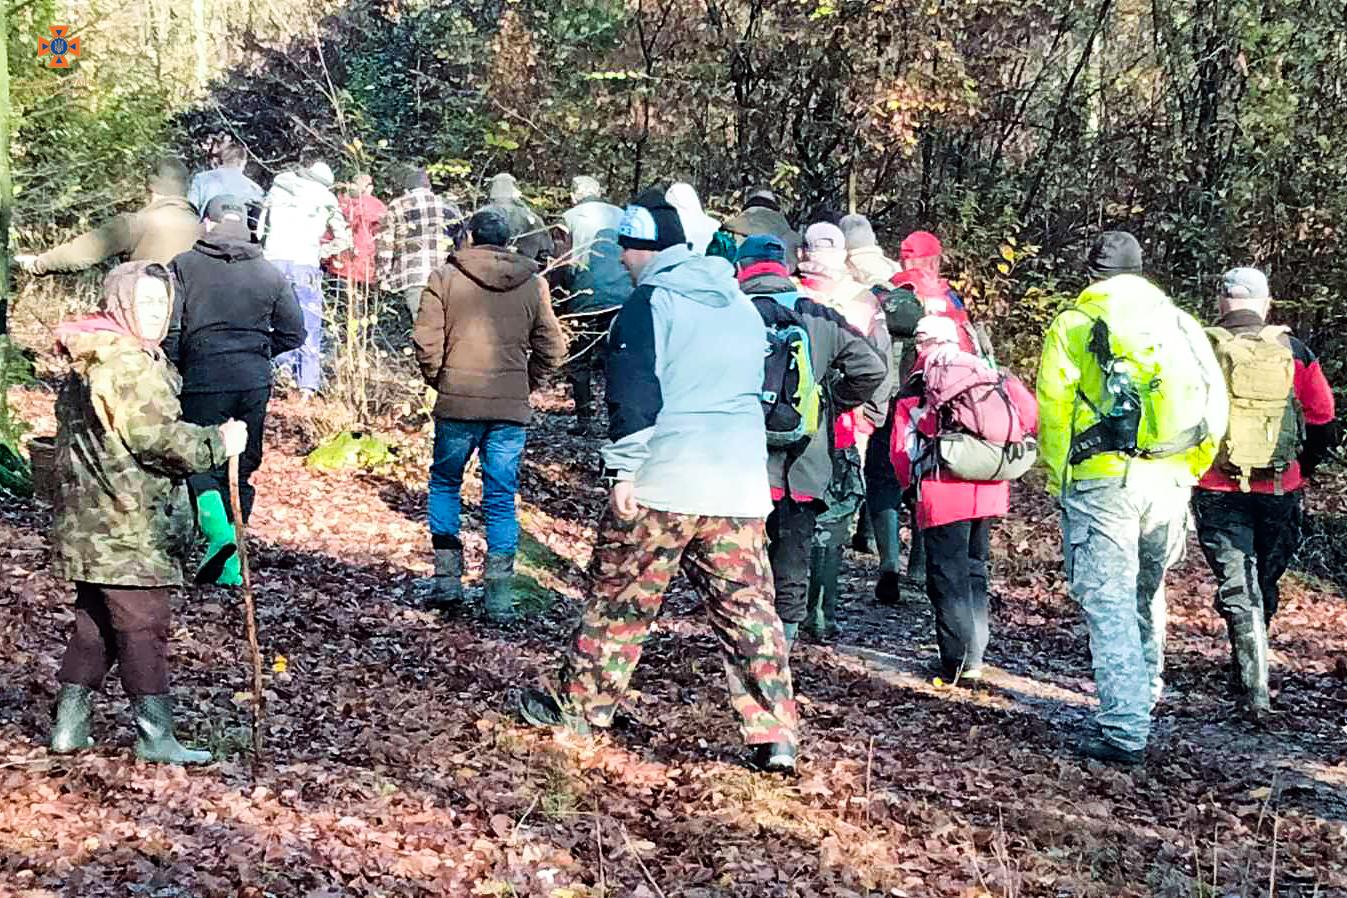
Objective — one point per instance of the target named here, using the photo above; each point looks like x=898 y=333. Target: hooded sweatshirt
x=486 y=335
x=698 y=227
x=298 y=212
x=684 y=387
x=233 y=312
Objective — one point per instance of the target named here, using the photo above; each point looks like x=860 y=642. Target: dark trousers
x=882 y=491
x=248 y=406
x=126 y=626
x=956 y=584
x=790 y=535
x=582 y=370
x=1249 y=540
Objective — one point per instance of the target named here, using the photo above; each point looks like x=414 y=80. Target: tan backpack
x=1267 y=424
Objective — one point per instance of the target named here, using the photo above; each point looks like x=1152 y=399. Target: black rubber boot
x=832 y=572
x=446 y=589
x=154 y=733
x=74 y=718
x=774 y=757
x=542 y=710
x=860 y=540
x=1248 y=651
x=1100 y=749
x=814 y=624
x=890 y=547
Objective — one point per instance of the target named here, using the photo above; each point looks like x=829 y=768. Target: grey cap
x=1244 y=283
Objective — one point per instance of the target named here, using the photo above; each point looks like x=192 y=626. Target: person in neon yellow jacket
x=1132 y=406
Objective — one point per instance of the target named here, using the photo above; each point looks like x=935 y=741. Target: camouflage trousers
x=726 y=560
x=1119 y=539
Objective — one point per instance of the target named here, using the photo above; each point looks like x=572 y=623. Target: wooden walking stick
x=249 y=609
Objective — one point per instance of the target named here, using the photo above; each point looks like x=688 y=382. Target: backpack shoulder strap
x=1218 y=335
x=1272 y=333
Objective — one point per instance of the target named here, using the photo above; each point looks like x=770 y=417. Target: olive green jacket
x=157 y=233
x=122 y=515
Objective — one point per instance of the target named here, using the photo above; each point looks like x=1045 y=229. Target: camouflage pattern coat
x=122 y=516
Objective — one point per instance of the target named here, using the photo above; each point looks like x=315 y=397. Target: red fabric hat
x=919 y=245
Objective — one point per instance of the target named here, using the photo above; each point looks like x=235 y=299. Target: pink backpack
x=971 y=396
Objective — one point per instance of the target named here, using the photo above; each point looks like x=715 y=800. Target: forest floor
x=395 y=764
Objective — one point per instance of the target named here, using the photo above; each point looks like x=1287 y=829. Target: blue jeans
x=500 y=445
x=306 y=362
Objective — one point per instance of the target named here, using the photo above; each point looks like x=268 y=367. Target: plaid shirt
x=415 y=237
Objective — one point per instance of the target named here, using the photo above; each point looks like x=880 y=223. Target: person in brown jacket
x=165 y=227
x=485 y=336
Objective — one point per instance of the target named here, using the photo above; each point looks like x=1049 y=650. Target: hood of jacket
x=88 y=348
x=169 y=202
x=1132 y=302
x=495 y=269
x=229 y=249
x=708 y=280
x=698 y=227
x=301 y=186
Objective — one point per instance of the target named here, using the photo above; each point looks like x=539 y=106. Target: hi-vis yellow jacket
x=1167 y=355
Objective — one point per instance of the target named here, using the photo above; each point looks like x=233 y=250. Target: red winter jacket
x=1316 y=398
x=938 y=298
x=362 y=213
x=940 y=499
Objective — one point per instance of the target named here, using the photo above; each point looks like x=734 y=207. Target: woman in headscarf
x=122 y=522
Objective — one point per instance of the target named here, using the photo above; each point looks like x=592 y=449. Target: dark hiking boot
x=542 y=710
x=1098 y=748
x=74 y=717
x=498 y=598
x=155 y=741
x=773 y=757
x=222 y=564
x=860 y=540
x=446 y=589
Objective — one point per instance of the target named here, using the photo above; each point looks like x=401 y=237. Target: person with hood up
x=954 y=517
x=121 y=521
x=226 y=179
x=166 y=226
x=528 y=235
x=416 y=235
x=799 y=476
x=363 y=211
x=233 y=312
x=697 y=225
x=299 y=212
x=485 y=338
x=599 y=286
x=866 y=262
x=1132 y=404
x=762 y=215
x=687 y=463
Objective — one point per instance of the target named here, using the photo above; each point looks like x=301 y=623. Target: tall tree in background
x=6 y=187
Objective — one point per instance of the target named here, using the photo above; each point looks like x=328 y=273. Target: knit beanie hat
x=583 y=187
x=762 y=196
x=321 y=173
x=1113 y=253
x=937 y=328
x=920 y=245
x=504 y=187
x=858 y=231
x=650 y=222
x=1244 y=283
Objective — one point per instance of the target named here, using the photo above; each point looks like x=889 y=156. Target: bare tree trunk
x=6 y=186
x=199 y=41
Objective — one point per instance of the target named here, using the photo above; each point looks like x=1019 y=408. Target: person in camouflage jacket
x=122 y=523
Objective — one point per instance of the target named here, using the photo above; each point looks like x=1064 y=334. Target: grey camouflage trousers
x=1119 y=539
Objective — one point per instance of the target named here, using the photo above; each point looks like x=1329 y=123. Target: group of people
x=764 y=383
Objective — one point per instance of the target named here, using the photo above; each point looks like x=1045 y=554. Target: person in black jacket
x=233 y=311
x=852 y=368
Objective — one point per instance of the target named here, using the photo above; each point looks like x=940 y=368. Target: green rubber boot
x=446 y=593
x=222 y=563
x=813 y=625
x=74 y=714
x=832 y=572
x=155 y=741
x=498 y=599
x=890 y=546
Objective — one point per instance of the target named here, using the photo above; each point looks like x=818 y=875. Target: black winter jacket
x=232 y=312
x=847 y=363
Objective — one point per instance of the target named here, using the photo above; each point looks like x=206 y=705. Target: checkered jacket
x=415 y=237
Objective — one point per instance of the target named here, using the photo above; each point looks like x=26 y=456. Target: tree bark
x=6 y=185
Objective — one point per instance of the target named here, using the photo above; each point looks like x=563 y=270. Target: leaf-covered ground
x=395 y=766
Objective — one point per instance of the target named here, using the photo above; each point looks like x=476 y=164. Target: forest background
x=1015 y=130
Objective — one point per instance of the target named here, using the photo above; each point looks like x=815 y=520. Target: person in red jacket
x=362 y=211
x=921 y=253
x=1249 y=538
x=954 y=517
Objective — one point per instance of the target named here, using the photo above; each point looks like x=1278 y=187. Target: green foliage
x=16 y=369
